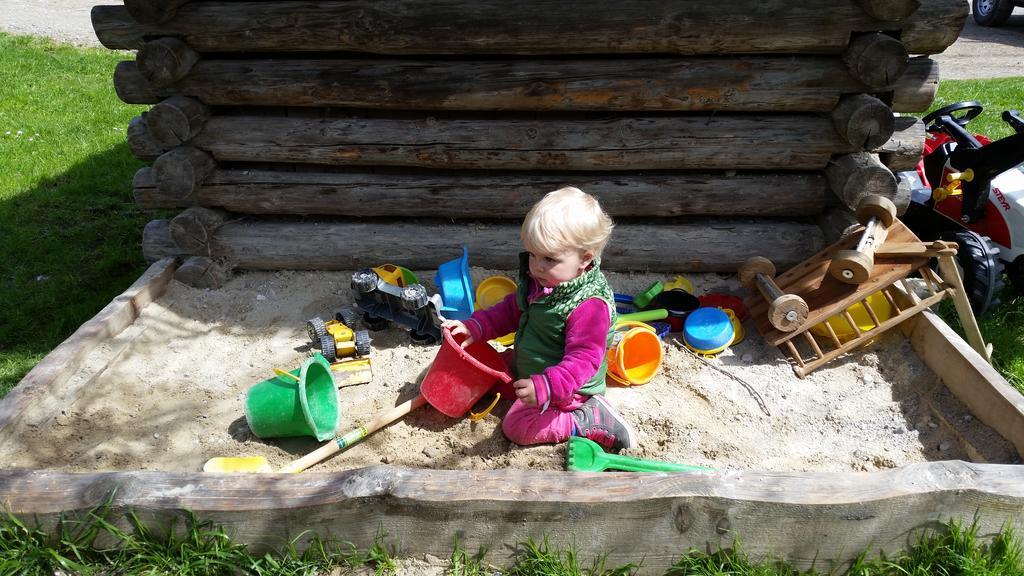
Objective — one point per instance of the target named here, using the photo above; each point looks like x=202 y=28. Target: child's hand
x=525 y=391
x=457 y=327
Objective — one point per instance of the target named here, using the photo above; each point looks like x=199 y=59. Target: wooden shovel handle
x=355 y=435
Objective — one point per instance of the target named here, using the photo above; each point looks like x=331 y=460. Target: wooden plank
x=989 y=397
x=491 y=196
x=805 y=518
x=532 y=27
x=705 y=244
x=49 y=380
x=741 y=83
x=756 y=142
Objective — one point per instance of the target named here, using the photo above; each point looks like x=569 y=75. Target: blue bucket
x=708 y=330
x=456 y=287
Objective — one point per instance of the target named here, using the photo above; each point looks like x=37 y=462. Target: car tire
x=978 y=258
x=992 y=12
x=414 y=297
x=364 y=281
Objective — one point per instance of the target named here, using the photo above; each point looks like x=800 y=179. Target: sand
x=168 y=393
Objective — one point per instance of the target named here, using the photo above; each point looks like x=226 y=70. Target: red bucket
x=459 y=377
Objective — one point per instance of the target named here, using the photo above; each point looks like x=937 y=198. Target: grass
x=462 y=564
x=536 y=559
x=995 y=95
x=71 y=232
x=1001 y=325
x=955 y=551
x=95 y=543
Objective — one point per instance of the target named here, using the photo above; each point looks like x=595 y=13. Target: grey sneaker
x=596 y=420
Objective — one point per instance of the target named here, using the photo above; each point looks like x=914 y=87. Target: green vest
x=540 y=340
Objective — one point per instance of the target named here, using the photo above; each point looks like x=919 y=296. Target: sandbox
x=905 y=432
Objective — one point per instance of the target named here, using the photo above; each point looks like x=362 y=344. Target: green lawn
x=71 y=233
x=995 y=95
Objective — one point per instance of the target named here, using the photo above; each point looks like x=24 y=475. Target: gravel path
x=64 y=20
x=979 y=53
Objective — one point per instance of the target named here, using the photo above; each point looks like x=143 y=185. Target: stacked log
x=711 y=133
x=537 y=27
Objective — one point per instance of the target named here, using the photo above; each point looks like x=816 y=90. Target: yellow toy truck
x=336 y=339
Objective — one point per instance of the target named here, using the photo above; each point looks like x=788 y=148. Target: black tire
x=424 y=339
x=982 y=271
x=992 y=12
x=414 y=297
x=362 y=339
x=328 y=348
x=348 y=317
x=1015 y=272
x=374 y=323
x=315 y=329
x=364 y=281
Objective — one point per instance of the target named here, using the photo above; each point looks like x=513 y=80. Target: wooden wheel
x=788 y=312
x=875 y=206
x=851 y=266
x=754 y=266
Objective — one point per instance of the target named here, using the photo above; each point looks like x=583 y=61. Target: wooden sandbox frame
x=814 y=518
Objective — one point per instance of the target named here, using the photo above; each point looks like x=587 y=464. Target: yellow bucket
x=489 y=292
x=492 y=290
x=635 y=354
x=879 y=304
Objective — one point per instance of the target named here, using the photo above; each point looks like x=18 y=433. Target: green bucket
x=281 y=407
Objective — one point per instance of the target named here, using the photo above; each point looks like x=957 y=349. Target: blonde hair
x=566 y=219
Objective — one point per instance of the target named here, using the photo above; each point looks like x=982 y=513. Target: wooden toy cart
x=901 y=255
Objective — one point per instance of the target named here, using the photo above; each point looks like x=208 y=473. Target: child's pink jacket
x=586 y=333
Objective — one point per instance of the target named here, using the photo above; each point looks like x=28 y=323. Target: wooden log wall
x=694 y=123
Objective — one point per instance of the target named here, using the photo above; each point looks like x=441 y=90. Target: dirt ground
x=168 y=393
x=197 y=352
x=980 y=52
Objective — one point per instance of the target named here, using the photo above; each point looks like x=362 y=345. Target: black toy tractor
x=409 y=306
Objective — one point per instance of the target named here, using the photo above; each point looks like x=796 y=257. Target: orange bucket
x=635 y=354
x=459 y=377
